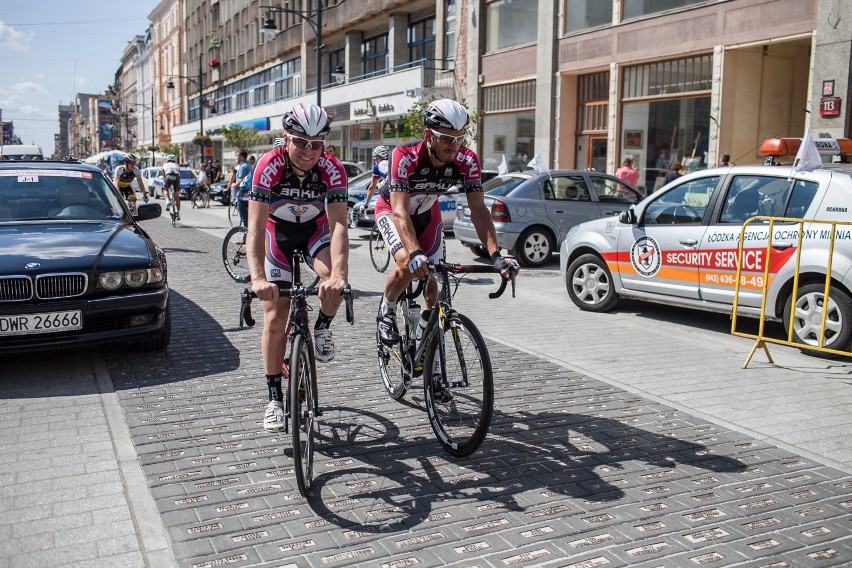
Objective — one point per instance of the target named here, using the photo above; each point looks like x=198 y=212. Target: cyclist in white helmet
x=380 y=171
x=298 y=200
x=171 y=173
x=407 y=210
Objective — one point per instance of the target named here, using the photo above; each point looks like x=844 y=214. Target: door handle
x=559 y=211
x=689 y=242
x=612 y=212
x=782 y=246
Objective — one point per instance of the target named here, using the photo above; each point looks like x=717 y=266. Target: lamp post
x=199 y=84
x=151 y=108
x=270 y=30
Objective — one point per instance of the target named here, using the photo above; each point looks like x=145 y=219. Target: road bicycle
x=235 y=258
x=200 y=198
x=379 y=251
x=234 y=212
x=451 y=356
x=301 y=404
x=170 y=206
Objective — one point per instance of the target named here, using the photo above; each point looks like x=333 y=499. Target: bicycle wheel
x=197 y=199
x=233 y=214
x=395 y=361
x=379 y=253
x=303 y=420
x=461 y=414
x=234 y=255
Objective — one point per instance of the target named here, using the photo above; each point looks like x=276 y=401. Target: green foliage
x=240 y=138
x=414 y=119
x=170 y=149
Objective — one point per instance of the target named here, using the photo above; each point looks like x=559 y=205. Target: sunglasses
x=302 y=143
x=449 y=138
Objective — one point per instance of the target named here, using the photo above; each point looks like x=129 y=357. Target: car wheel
x=807 y=317
x=164 y=335
x=534 y=247
x=589 y=284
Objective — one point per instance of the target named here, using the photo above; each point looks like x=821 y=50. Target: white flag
x=538 y=164
x=502 y=168
x=807 y=158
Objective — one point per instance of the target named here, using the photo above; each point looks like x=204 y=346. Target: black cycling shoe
x=387 y=329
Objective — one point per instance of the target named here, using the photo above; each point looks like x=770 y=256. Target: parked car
x=15 y=152
x=680 y=246
x=532 y=212
x=218 y=193
x=75 y=266
x=353 y=169
x=188 y=182
x=149 y=176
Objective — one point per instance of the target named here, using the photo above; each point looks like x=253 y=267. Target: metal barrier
x=761 y=339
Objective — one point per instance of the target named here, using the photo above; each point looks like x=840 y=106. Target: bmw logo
x=32 y=265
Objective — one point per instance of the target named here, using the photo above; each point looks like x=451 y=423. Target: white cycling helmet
x=445 y=113
x=307 y=118
x=128 y=157
x=171 y=158
x=381 y=152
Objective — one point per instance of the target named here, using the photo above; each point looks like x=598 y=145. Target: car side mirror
x=628 y=217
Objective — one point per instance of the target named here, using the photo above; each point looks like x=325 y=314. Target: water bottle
x=421 y=325
x=413 y=319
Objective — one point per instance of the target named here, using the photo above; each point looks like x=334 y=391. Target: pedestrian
x=673 y=173
x=725 y=161
x=628 y=172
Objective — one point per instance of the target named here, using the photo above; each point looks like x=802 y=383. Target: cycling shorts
x=174 y=184
x=427 y=227
x=127 y=192
x=282 y=238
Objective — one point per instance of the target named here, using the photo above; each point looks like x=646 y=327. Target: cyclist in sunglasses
x=298 y=200
x=407 y=210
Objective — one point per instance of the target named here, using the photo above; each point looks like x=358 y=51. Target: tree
x=414 y=119
x=170 y=149
x=240 y=138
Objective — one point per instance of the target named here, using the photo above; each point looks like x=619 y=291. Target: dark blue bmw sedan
x=75 y=266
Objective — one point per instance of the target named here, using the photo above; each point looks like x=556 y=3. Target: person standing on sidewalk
x=298 y=201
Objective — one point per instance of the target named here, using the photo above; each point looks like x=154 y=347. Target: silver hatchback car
x=533 y=212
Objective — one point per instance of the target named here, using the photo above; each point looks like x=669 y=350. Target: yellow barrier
x=760 y=339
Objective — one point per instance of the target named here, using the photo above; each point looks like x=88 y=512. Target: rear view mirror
x=628 y=217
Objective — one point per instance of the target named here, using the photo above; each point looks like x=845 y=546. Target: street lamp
x=199 y=84
x=270 y=30
x=151 y=108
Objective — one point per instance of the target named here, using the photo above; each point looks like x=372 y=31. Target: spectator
x=673 y=173
x=331 y=150
x=725 y=161
x=628 y=172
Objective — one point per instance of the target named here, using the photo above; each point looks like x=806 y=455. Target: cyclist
x=380 y=171
x=171 y=173
x=298 y=200
x=123 y=179
x=407 y=210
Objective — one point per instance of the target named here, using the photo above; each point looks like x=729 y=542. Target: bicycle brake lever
x=245 y=309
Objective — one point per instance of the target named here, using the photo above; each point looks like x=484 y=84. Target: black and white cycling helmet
x=445 y=113
x=307 y=118
x=128 y=157
x=381 y=152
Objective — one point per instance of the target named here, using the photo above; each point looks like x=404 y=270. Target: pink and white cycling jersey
x=295 y=200
x=411 y=171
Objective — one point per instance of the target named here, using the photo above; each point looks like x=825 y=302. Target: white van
x=17 y=152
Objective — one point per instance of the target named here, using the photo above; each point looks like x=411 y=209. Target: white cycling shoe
x=273 y=420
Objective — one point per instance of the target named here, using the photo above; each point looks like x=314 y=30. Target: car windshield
x=38 y=194
x=187 y=174
x=501 y=186
x=360 y=177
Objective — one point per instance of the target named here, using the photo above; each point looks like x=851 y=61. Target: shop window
x=510 y=22
x=665 y=78
x=585 y=14
x=421 y=39
x=638 y=8
x=508 y=134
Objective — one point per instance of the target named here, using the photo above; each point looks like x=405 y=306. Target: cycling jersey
x=297 y=215
x=171 y=171
x=125 y=178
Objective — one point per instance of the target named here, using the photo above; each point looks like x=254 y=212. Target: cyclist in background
x=380 y=171
x=298 y=200
x=171 y=173
x=407 y=210
x=123 y=179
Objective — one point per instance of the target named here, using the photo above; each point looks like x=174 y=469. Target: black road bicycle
x=235 y=258
x=200 y=198
x=452 y=358
x=301 y=404
x=170 y=205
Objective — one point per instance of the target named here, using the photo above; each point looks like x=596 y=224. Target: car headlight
x=136 y=278
x=132 y=278
x=111 y=280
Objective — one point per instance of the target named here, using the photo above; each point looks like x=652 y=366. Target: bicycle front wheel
x=310 y=279
x=303 y=419
x=233 y=214
x=197 y=199
x=234 y=255
x=395 y=361
x=458 y=386
x=379 y=253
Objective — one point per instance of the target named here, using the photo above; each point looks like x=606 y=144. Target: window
x=677 y=76
x=585 y=14
x=374 y=54
x=569 y=188
x=511 y=22
x=450 y=32
x=637 y=8
x=421 y=39
x=749 y=196
x=613 y=191
x=334 y=63
x=684 y=204
x=288 y=81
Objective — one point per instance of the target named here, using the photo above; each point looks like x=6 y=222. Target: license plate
x=50 y=322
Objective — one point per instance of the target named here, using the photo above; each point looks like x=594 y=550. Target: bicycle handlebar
x=286 y=291
x=442 y=266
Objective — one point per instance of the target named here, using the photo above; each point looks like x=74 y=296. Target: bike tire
x=395 y=361
x=234 y=255
x=379 y=253
x=197 y=199
x=303 y=419
x=460 y=424
x=233 y=214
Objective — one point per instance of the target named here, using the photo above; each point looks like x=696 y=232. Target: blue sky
x=52 y=49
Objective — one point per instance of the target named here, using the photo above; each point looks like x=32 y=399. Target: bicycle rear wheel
x=234 y=255
x=395 y=361
x=379 y=253
x=459 y=412
x=197 y=199
x=233 y=214
x=303 y=419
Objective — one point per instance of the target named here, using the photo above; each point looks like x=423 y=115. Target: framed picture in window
x=499 y=143
x=633 y=139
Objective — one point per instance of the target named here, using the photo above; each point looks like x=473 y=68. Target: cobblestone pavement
x=575 y=472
